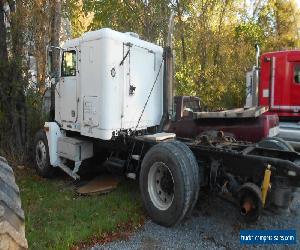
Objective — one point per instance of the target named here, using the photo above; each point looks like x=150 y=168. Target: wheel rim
x=161 y=186
x=40 y=154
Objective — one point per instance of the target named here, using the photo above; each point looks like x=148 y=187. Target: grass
x=57 y=218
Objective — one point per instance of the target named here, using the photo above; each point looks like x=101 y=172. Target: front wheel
x=41 y=155
x=167 y=183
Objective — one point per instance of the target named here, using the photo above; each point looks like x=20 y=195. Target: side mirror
x=49 y=62
x=52 y=52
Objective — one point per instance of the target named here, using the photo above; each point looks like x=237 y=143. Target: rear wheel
x=161 y=185
x=195 y=172
x=12 y=225
x=41 y=155
x=166 y=183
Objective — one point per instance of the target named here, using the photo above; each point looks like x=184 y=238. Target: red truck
x=275 y=84
x=251 y=125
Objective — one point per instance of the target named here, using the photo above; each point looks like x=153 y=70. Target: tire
x=12 y=224
x=166 y=183
x=41 y=155
x=195 y=172
x=276 y=143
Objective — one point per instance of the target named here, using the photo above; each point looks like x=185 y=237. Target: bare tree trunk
x=3 y=45
x=216 y=53
x=55 y=34
x=54 y=40
x=18 y=103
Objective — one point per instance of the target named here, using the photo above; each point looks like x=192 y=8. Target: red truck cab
x=279 y=85
x=278 y=88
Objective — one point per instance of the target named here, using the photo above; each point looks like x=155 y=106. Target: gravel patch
x=213 y=225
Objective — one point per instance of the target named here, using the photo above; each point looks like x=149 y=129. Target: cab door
x=68 y=86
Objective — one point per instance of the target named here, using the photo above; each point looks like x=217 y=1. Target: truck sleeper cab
x=106 y=76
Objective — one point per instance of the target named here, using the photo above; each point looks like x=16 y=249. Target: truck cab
x=105 y=78
x=278 y=88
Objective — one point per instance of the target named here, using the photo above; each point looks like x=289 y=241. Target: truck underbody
x=239 y=170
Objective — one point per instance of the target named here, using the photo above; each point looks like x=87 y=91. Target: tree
x=80 y=20
x=55 y=42
x=214 y=46
x=280 y=22
x=147 y=18
x=20 y=38
x=12 y=80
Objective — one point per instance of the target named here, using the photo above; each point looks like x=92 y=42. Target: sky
x=298 y=2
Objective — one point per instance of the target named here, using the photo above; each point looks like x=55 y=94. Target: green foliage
x=12 y=135
x=250 y=33
x=36 y=116
x=214 y=40
x=185 y=82
x=22 y=103
x=208 y=68
x=214 y=46
x=80 y=20
x=147 y=18
x=280 y=21
x=219 y=46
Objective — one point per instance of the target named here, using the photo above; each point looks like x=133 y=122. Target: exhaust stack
x=257 y=49
x=252 y=82
x=169 y=72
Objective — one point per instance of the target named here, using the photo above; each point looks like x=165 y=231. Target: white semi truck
x=114 y=97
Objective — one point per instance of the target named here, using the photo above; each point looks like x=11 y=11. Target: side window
x=175 y=108
x=68 y=66
x=297 y=73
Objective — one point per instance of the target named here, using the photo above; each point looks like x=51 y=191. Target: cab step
x=69 y=171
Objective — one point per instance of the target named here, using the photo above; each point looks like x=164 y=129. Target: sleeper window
x=68 y=63
x=297 y=73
